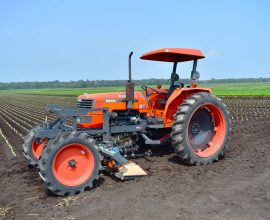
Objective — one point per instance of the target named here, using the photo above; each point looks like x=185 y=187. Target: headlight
x=84 y=120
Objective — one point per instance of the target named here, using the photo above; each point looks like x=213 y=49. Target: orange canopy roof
x=173 y=55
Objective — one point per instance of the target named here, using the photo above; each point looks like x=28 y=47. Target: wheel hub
x=195 y=128
x=201 y=129
x=72 y=163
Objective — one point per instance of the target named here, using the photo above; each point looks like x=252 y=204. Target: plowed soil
x=236 y=187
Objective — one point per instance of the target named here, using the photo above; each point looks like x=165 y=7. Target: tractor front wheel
x=201 y=129
x=70 y=163
x=32 y=148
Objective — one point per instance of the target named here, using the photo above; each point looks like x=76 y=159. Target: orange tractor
x=108 y=129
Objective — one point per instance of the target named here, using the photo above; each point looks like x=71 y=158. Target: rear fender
x=177 y=97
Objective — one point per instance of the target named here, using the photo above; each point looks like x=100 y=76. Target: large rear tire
x=70 y=163
x=201 y=129
x=32 y=149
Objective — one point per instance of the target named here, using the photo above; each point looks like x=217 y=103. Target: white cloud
x=214 y=53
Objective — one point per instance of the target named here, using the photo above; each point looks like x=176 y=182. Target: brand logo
x=122 y=96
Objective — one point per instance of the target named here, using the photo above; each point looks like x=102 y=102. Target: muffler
x=129 y=85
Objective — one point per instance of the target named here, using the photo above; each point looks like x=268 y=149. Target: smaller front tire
x=70 y=163
x=32 y=148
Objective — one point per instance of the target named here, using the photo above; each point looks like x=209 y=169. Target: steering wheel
x=145 y=88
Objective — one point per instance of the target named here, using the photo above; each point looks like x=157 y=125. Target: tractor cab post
x=194 y=73
x=176 y=55
x=174 y=75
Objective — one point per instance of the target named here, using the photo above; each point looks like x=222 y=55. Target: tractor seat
x=169 y=93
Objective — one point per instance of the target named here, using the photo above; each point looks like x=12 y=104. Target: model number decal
x=121 y=100
x=110 y=100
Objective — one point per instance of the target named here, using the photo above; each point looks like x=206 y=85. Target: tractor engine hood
x=113 y=101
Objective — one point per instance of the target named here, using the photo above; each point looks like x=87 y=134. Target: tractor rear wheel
x=32 y=148
x=201 y=129
x=70 y=163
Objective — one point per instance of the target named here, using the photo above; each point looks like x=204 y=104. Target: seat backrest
x=170 y=91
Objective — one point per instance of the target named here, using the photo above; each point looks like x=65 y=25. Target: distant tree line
x=238 y=80
x=108 y=83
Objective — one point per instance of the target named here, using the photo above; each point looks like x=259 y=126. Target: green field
x=220 y=89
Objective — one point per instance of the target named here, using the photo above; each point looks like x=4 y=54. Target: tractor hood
x=104 y=96
x=113 y=101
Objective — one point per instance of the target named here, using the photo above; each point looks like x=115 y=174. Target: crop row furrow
x=11 y=148
x=20 y=114
x=31 y=114
x=37 y=103
x=16 y=117
x=15 y=122
x=20 y=103
x=12 y=128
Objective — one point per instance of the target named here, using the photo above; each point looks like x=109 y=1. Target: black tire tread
x=27 y=148
x=177 y=134
x=45 y=169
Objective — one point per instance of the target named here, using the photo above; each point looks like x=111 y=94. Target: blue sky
x=72 y=40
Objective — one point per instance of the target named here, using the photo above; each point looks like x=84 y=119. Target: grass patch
x=220 y=89
x=239 y=89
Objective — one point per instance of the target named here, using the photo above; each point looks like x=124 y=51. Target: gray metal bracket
x=114 y=155
x=150 y=141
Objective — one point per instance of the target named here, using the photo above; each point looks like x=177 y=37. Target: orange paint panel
x=114 y=102
x=38 y=147
x=176 y=99
x=145 y=105
x=83 y=167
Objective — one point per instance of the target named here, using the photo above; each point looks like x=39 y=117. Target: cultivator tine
x=130 y=171
x=126 y=169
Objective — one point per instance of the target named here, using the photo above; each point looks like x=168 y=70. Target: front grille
x=85 y=103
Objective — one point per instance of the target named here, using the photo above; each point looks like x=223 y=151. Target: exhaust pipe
x=129 y=85
x=129 y=66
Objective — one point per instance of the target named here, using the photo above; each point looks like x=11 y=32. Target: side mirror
x=195 y=75
x=175 y=77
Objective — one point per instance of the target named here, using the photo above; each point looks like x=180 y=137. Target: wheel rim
x=73 y=164
x=206 y=130
x=38 y=147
